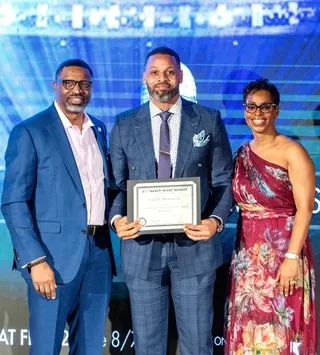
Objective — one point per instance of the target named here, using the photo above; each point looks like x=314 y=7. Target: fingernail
x=53 y=298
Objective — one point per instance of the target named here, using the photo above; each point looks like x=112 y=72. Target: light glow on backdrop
x=223 y=44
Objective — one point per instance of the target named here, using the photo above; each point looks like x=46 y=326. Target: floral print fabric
x=260 y=320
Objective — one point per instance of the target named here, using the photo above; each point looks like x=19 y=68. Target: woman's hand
x=287 y=275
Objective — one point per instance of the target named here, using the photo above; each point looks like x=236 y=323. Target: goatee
x=75 y=108
x=164 y=95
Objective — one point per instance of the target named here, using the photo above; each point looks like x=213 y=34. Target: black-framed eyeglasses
x=264 y=108
x=70 y=84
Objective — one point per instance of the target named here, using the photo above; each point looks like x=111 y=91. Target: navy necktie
x=164 y=168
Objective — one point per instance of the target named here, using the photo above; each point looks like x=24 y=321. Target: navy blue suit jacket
x=132 y=157
x=43 y=201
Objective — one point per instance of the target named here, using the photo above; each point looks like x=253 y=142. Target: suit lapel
x=102 y=145
x=143 y=135
x=188 y=128
x=60 y=139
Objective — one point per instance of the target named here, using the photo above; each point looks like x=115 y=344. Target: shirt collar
x=174 y=109
x=67 y=124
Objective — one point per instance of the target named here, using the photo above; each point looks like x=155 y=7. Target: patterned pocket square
x=199 y=140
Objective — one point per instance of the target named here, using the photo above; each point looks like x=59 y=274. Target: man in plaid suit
x=183 y=263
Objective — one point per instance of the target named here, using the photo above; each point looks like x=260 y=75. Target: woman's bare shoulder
x=295 y=153
x=289 y=145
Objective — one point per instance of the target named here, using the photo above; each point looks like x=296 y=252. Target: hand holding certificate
x=164 y=206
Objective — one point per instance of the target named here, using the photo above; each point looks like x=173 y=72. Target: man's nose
x=163 y=76
x=77 y=88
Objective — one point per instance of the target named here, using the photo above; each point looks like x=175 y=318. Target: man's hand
x=203 y=231
x=125 y=230
x=43 y=280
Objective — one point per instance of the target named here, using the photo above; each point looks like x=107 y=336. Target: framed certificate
x=164 y=206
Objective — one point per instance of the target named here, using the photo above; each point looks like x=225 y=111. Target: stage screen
x=222 y=44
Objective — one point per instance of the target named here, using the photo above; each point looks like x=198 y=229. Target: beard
x=76 y=108
x=163 y=95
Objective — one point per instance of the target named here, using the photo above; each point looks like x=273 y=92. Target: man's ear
x=144 y=78
x=54 y=86
x=181 y=77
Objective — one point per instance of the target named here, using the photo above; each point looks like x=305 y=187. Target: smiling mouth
x=76 y=99
x=258 y=121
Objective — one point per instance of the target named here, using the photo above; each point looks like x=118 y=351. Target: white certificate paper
x=164 y=206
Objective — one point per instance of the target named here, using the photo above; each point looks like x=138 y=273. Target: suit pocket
x=49 y=227
x=196 y=168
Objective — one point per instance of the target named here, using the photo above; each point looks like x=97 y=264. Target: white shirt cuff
x=213 y=215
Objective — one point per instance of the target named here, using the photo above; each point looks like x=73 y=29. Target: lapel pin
x=99 y=129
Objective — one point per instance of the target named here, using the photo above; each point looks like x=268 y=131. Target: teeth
x=76 y=99
x=258 y=121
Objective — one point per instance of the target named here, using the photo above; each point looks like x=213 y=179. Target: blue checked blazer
x=132 y=158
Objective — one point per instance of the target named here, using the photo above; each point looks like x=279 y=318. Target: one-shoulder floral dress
x=261 y=321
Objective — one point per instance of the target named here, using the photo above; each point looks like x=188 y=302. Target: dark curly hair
x=261 y=84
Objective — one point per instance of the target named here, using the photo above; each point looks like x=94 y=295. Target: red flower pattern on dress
x=261 y=321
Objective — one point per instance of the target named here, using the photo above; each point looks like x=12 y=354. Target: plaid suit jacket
x=132 y=158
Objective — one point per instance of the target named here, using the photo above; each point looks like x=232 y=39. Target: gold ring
x=292 y=282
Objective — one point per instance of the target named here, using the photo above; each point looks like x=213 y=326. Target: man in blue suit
x=55 y=203
x=183 y=263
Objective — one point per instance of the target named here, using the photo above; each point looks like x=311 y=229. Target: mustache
x=76 y=95
x=163 y=83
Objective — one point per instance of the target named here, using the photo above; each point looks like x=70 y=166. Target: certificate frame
x=184 y=201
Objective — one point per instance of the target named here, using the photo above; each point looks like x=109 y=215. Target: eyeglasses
x=70 y=84
x=264 y=108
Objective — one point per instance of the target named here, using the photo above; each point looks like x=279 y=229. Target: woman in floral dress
x=271 y=307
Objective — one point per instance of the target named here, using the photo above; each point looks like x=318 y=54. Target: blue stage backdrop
x=222 y=44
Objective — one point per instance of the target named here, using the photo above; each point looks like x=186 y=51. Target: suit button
x=84 y=205
x=133 y=168
x=199 y=165
x=83 y=231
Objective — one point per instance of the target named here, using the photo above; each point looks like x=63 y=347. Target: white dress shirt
x=90 y=165
x=174 y=122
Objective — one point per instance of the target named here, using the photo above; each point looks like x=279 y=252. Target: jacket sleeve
x=221 y=171
x=18 y=192
x=119 y=169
